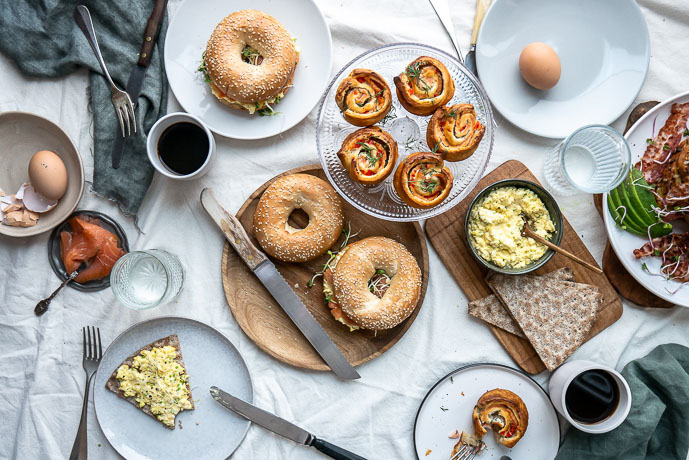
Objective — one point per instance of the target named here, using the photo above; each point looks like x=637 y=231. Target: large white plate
x=603 y=48
x=210 y=429
x=458 y=392
x=187 y=35
x=623 y=243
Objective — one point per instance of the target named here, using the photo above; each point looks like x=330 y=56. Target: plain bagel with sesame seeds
x=361 y=267
x=250 y=60
x=317 y=199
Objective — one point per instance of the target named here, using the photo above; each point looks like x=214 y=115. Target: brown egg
x=48 y=174
x=540 y=65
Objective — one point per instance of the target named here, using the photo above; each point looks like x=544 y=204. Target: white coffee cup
x=560 y=381
x=154 y=136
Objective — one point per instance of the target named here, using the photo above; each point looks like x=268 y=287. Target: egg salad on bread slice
x=155 y=380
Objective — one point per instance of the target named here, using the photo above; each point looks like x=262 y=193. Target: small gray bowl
x=551 y=206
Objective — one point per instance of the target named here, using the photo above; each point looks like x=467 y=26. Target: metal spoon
x=505 y=457
x=528 y=231
x=42 y=306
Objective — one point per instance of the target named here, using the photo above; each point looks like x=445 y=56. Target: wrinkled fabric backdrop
x=41 y=377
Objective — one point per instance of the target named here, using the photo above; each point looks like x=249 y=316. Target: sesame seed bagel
x=317 y=199
x=241 y=84
x=361 y=262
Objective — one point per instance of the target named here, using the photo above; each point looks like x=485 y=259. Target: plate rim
x=606 y=215
x=323 y=367
x=483 y=364
x=550 y=135
x=32 y=231
x=490 y=124
x=284 y=128
x=184 y=318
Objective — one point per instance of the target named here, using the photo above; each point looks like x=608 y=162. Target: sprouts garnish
x=333 y=254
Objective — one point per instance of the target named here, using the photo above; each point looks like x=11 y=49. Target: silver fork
x=466 y=452
x=120 y=99
x=93 y=352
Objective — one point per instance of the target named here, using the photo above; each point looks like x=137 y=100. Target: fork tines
x=125 y=110
x=466 y=452
x=93 y=349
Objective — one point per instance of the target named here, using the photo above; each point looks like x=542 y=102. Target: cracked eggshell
x=34 y=201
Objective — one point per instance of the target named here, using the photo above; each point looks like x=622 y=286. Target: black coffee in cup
x=183 y=148
x=592 y=396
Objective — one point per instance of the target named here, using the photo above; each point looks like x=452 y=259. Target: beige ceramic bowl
x=21 y=135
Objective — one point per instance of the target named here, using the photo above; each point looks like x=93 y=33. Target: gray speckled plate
x=209 y=429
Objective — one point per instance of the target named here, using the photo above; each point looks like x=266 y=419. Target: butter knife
x=442 y=10
x=271 y=278
x=280 y=426
x=470 y=59
x=136 y=77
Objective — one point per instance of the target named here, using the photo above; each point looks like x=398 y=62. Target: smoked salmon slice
x=88 y=242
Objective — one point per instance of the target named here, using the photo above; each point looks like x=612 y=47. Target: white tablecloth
x=41 y=378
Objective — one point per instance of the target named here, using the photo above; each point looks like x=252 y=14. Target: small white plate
x=186 y=39
x=604 y=50
x=210 y=429
x=623 y=243
x=448 y=406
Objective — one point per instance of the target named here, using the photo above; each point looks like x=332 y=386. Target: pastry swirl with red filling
x=369 y=154
x=425 y=85
x=505 y=413
x=363 y=97
x=454 y=132
x=422 y=180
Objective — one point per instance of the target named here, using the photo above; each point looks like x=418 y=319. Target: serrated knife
x=280 y=426
x=271 y=278
x=136 y=78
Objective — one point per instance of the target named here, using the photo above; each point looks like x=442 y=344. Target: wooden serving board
x=264 y=321
x=446 y=233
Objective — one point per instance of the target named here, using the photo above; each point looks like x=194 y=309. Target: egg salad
x=155 y=379
x=495 y=226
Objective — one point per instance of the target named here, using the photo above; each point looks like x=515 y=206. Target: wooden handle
x=233 y=230
x=528 y=232
x=481 y=8
x=151 y=33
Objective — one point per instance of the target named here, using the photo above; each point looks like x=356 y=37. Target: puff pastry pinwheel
x=369 y=154
x=454 y=132
x=422 y=180
x=363 y=97
x=505 y=413
x=425 y=85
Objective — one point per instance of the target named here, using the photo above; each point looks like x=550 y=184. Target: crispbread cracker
x=492 y=311
x=555 y=316
x=113 y=385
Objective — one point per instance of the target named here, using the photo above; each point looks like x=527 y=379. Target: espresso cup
x=563 y=377
x=154 y=137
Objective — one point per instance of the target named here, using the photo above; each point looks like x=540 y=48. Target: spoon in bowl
x=528 y=231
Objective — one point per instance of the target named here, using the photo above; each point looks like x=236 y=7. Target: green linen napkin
x=43 y=39
x=658 y=423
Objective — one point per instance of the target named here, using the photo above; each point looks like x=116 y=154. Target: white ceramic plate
x=457 y=393
x=209 y=429
x=187 y=35
x=623 y=243
x=603 y=48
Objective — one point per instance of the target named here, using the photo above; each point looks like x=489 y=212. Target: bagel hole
x=298 y=219
x=379 y=283
x=251 y=56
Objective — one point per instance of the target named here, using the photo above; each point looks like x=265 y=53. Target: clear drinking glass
x=146 y=279
x=593 y=159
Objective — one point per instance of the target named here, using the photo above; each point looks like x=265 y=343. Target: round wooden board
x=264 y=321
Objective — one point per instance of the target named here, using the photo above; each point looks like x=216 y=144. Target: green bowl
x=551 y=206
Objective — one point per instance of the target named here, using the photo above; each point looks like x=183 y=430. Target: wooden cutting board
x=264 y=321
x=446 y=233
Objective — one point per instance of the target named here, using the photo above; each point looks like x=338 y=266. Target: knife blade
x=136 y=77
x=470 y=59
x=273 y=281
x=279 y=425
x=442 y=10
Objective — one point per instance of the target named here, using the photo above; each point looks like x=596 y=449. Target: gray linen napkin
x=43 y=39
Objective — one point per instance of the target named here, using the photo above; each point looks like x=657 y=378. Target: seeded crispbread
x=113 y=385
x=492 y=311
x=555 y=316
